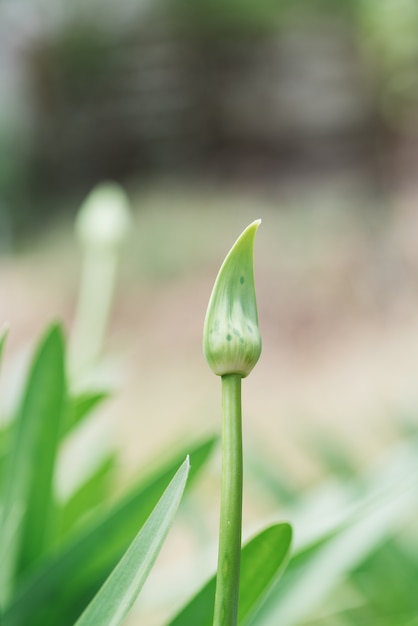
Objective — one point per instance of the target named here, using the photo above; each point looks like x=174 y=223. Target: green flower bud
x=231 y=339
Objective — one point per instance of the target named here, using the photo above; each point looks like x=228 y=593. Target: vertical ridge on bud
x=231 y=338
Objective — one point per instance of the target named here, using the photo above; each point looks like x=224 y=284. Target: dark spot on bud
x=242 y=280
x=229 y=337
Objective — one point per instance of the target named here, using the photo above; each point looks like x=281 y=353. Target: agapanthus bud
x=231 y=338
x=104 y=218
x=102 y=225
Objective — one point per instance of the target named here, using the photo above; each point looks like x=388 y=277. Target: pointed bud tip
x=231 y=338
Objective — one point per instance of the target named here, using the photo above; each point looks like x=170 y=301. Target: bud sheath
x=231 y=338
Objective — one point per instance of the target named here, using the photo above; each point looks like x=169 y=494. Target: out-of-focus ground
x=338 y=309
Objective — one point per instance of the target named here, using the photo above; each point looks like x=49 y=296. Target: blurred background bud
x=104 y=218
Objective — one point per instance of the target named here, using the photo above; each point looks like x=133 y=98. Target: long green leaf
x=76 y=572
x=3 y=336
x=91 y=494
x=262 y=561
x=45 y=405
x=4 y=431
x=265 y=559
x=4 y=446
x=117 y=595
x=80 y=406
x=29 y=466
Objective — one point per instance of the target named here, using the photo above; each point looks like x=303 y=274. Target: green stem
x=227 y=581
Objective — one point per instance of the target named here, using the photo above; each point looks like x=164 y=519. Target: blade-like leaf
x=92 y=493
x=77 y=571
x=80 y=406
x=3 y=336
x=117 y=595
x=262 y=561
x=29 y=465
x=4 y=446
x=45 y=405
x=4 y=431
x=266 y=558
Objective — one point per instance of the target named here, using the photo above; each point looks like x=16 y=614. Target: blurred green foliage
x=56 y=552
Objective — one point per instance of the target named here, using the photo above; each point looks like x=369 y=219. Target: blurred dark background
x=260 y=92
